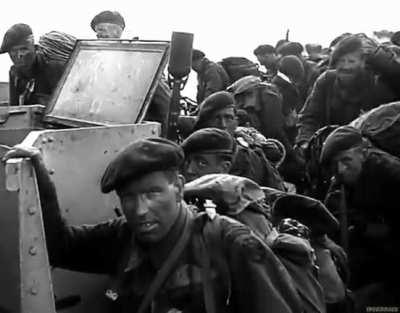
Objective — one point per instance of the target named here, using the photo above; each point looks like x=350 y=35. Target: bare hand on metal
x=21 y=151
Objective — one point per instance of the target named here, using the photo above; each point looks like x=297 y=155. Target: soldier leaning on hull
x=194 y=263
x=33 y=78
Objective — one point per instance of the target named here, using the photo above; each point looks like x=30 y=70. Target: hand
x=336 y=250
x=21 y=151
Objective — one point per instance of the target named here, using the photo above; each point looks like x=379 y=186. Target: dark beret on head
x=279 y=43
x=16 y=35
x=264 y=49
x=335 y=41
x=112 y=17
x=197 y=54
x=395 y=39
x=341 y=139
x=209 y=140
x=217 y=101
x=290 y=48
x=292 y=67
x=140 y=158
x=347 y=45
x=306 y=210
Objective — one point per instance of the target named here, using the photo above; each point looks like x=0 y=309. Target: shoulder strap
x=165 y=270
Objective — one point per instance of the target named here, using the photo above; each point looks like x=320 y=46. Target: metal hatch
x=108 y=82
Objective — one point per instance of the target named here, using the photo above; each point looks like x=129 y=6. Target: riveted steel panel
x=76 y=160
x=9 y=245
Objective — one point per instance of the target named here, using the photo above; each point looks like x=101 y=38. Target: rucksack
x=57 y=46
x=382 y=127
x=238 y=67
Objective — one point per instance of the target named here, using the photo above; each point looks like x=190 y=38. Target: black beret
x=112 y=17
x=347 y=45
x=139 y=158
x=290 y=48
x=217 y=101
x=306 y=210
x=197 y=54
x=342 y=138
x=16 y=35
x=292 y=67
x=209 y=140
x=280 y=42
x=395 y=39
x=335 y=41
x=264 y=49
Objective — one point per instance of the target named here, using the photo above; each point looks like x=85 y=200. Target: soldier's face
x=198 y=165
x=108 y=30
x=151 y=204
x=348 y=165
x=248 y=98
x=224 y=119
x=23 y=56
x=196 y=64
x=268 y=60
x=349 y=66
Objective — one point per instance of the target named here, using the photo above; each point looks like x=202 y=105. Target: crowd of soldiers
x=234 y=217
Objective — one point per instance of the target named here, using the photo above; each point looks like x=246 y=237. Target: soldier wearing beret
x=208 y=151
x=32 y=77
x=267 y=56
x=341 y=94
x=311 y=71
x=219 y=111
x=163 y=255
x=211 y=77
x=371 y=180
x=108 y=24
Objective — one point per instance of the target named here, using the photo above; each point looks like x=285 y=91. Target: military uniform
x=44 y=73
x=250 y=161
x=385 y=62
x=210 y=78
x=330 y=104
x=219 y=266
x=38 y=88
x=372 y=213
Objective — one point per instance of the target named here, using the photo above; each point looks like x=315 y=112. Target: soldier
x=111 y=24
x=311 y=71
x=108 y=24
x=340 y=95
x=211 y=77
x=32 y=77
x=385 y=61
x=371 y=180
x=208 y=151
x=219 y=111
x=164 y=255
x=267 y=56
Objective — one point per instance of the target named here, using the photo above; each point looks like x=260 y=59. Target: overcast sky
x=222 y=28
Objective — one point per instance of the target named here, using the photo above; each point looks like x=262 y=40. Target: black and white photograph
x=199 y=156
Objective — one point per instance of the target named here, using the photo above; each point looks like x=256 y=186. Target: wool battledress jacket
x=223 y=267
